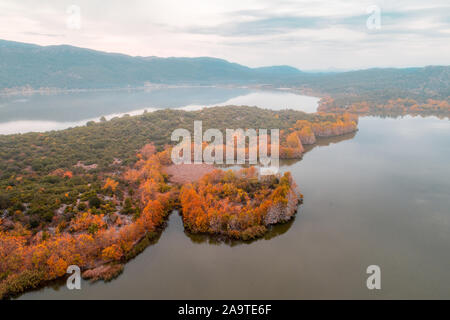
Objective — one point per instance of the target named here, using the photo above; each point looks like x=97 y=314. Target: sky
x=309 y=35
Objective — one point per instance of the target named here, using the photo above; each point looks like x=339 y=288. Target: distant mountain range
x=69 y=67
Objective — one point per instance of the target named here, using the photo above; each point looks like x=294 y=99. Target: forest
x=96 y=196
x=238 y=204
x=391 y=107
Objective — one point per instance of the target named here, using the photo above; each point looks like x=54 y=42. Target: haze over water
x=39 y=113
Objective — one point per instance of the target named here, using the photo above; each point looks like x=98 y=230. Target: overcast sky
x=315 y=34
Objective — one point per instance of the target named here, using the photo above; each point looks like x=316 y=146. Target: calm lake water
x=377 y=197
x=39 y=113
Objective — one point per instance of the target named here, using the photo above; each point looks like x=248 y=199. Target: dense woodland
x=391 y=107
x=96 y=195
x=238 y=204
x=95 y=233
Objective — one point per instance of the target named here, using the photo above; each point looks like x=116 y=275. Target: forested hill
x=68 y=67
x=71 y=67
x=432 y=82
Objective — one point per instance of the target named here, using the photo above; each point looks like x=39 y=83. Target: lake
x=377 y=197
x=39 y=113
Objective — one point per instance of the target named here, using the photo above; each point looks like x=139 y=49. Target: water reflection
x=76 y=107
x=39 y=113
x=273 y=231
x=321 y=142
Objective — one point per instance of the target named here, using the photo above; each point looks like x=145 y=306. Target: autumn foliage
x=393 y=107
x=98 y=236
x=237 y=204
x=110 y=184
x=95 y=197
x=291 y=140
x=306 y=132
x=30 y=259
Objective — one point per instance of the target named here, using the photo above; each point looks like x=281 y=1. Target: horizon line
x=312 y=70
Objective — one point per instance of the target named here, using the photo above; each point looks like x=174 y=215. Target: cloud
x=305 y=34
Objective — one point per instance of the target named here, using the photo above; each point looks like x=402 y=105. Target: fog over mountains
x=69 y=67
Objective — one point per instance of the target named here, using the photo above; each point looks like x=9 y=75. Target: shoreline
x=110 y=270
x=29 y=91
x=241 y=205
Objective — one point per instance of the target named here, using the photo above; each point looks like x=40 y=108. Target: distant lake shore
x=58 y=111
x=27 y=91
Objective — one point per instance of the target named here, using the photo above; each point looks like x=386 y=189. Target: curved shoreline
x=101 y=231
x=25 y=125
